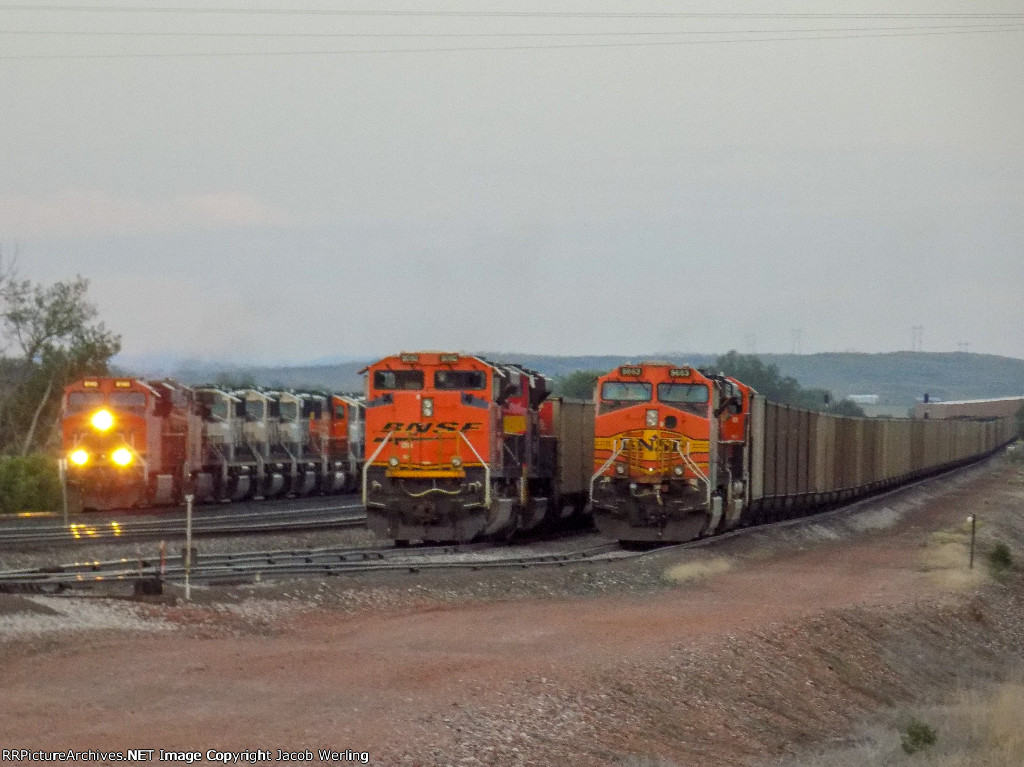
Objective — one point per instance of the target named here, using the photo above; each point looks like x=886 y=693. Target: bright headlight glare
x=79 y=457
x=122 y=456
x=428 y=407
x=652 y=418
x=679 y=471
x=393 y=460
x=456 y=461
x=102 y=420
x=620 y=469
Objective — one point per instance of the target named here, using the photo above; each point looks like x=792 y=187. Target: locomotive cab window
x=460 y=380
x=289 y=411
x=626 y=391
x=84 y=400
x=690 y=397
x=254 y=408
x=619 y=394
x=128 y=400
x=219 y=408
x=397 y=380
x=339 y=411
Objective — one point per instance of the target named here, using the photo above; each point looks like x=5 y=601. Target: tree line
x=49 y=337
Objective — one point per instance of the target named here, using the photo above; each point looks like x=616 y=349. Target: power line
x=621 y=33
x=675 y=43
x=492 y=14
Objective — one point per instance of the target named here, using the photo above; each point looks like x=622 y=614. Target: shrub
x=999 y=559
x=31 y=483
x=917 y=736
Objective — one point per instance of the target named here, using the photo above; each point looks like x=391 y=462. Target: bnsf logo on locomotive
x=424 y=428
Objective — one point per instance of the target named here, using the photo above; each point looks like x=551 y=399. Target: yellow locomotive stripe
x=514 y=424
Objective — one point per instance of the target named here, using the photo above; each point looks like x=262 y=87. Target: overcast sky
x=716 y=188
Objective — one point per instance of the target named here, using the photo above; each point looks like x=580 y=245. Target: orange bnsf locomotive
x=669 y=451
x=129 y=442
x=458 y=447
x=679 y=454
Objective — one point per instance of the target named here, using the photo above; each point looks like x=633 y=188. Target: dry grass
x=690 y=572
x=945 y=559
x=978 y=729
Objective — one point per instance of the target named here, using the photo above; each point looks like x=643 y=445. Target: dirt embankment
x=756 y=649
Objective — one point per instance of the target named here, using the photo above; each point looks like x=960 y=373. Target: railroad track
x=251 y=566
x=204 y=522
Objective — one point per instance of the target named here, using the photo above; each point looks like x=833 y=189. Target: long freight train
x=459 y=447
x=679 y=454
x=130 y=442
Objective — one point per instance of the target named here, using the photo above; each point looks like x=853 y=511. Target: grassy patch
x=979 y=728
x=946 y=556
x=689 y=572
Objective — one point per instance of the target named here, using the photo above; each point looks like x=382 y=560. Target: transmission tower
x=750 y=339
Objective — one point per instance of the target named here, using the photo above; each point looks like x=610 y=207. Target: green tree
x=846 y=407
x=48 y=338
x=579 y=384
x=765 y=379
x=770 y=382
x=28 y=484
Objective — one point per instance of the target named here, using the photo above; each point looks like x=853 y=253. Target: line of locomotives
x=130 y=442
x=454 y=447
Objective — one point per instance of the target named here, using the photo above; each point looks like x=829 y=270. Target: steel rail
x=228 y=558
x=290 y=563
x=206 y=513
x=42 y=579
x=83 y=532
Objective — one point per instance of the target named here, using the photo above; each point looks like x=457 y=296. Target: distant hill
x=898 y=378
x=904 y=377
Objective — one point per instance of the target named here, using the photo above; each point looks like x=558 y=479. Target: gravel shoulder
x=763 y=646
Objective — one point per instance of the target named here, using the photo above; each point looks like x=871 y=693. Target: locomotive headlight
x=122 y=456
x=620 y=469
x=678 y=470
x=428 y=407
x=652 y=418
x=456 y=461
x=79 y=457
x=393 y=460
x=102 y=420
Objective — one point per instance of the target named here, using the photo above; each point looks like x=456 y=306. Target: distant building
x=863 y=399
x=969 y=408
x=887 y=411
